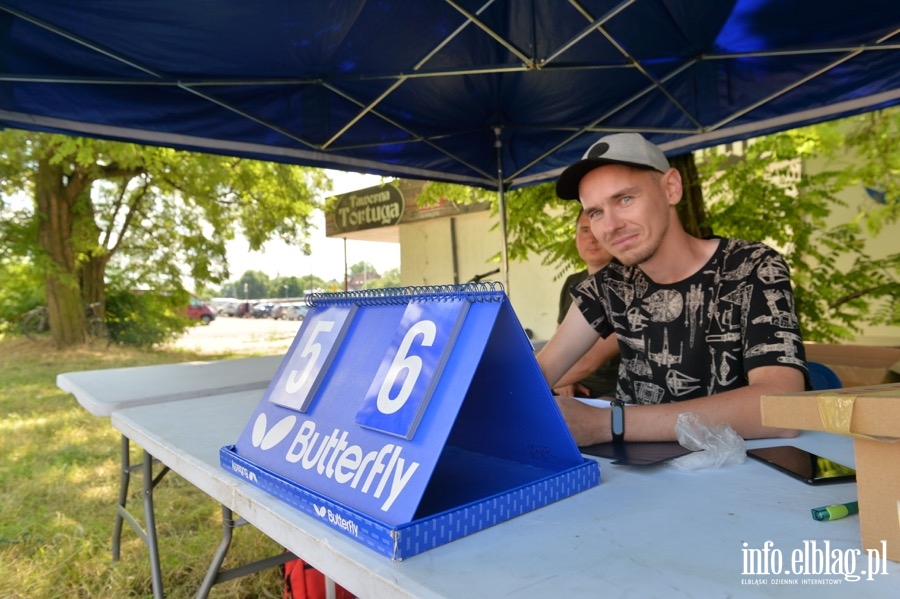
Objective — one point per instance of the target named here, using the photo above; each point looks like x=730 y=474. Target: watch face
x=618 y=420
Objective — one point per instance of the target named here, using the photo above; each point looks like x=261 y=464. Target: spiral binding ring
x=487 y=291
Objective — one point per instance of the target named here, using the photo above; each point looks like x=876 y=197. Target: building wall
x=426 y=259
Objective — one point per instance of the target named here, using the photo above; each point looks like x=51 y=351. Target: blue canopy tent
x=489 y=93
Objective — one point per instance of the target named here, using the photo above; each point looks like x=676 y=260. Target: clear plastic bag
x=714 y=446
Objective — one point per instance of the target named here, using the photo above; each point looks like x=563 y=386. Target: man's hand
x=589 y=425
x=573 y=390
x=739 y=407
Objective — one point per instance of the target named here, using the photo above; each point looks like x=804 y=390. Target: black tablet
x=808 y=467
x=633 y=453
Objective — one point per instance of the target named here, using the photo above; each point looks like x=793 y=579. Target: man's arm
x=739 y=407
x=600 y=353
x=571 y=340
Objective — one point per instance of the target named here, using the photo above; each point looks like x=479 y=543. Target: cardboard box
x=858 y=365
x=871 y=415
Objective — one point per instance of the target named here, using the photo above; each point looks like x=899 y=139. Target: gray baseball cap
x=619 y=148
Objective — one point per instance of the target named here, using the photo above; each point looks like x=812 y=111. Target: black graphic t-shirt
x=602 y=382
x=702 y=335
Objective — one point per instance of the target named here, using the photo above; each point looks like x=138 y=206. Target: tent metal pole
x=346 y=273
x=453 y=252
x=501 y=194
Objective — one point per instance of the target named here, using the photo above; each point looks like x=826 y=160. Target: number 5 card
x=322 y=334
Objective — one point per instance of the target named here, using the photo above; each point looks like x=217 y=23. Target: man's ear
x=671 y=181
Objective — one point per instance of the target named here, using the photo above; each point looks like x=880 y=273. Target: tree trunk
x=53 y=200
x=91 y=268
x=93 y=274
x=691 y=208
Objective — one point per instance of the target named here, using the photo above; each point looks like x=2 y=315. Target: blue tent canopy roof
x=469 y=91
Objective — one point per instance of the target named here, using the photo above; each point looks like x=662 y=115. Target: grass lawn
x=59 y=475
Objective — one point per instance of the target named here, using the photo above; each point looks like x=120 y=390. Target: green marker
x=835 y=512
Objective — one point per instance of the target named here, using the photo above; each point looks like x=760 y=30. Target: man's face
x=590 y=250
x=628 y=210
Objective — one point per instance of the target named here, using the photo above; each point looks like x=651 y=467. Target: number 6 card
x=411 y=367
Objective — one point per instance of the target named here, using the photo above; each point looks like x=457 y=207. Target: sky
x=279 y=259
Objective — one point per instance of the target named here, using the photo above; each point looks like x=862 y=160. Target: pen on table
x=835 y=512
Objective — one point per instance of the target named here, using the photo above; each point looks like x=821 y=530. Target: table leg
x=150 y=535
x=214 y=575
x=148 y=532
x=124 y=478
x=227 y=532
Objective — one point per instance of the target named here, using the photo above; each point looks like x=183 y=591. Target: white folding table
x=643 y=532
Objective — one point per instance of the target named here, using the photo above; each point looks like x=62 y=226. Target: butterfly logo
x=267 y=439
x=320 y=510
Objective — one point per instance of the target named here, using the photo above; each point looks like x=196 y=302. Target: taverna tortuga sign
x=379 y=206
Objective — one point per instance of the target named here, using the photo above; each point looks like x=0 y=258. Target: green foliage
x=767 y=195
x=389 y=279
x=435 y=191
x=20 y=292
x=253 y=284
x=145 y=319
x=540 y=223
x=59 y=485
x=875 y=139
x=288 y=286
x=261 y=286
x=362 y=268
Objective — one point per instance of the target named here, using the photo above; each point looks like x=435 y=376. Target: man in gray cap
x=707 y=320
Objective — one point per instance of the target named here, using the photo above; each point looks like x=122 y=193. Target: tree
x=311 y=283
x=285 y=287
x=259 y=285
x=766 y=194
x=253 y=284
x=162 y=215
x=390 y=278
x=362 y=268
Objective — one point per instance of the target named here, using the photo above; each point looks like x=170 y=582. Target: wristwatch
x=617 y=420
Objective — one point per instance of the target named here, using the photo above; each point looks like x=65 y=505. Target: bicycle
x=94 y=325
x=484 y=275
x=478 y=278
x=35 y=322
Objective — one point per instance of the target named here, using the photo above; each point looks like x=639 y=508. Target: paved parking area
x=257 y=336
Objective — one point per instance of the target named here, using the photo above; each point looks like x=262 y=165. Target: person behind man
x=707 y=320
x=595 y=373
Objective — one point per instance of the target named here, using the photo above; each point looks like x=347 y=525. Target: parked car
x=232 y=309
x=276 y=311
x=261 y=310
x=220 y=305
x=198 y=310
x=294 y=311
